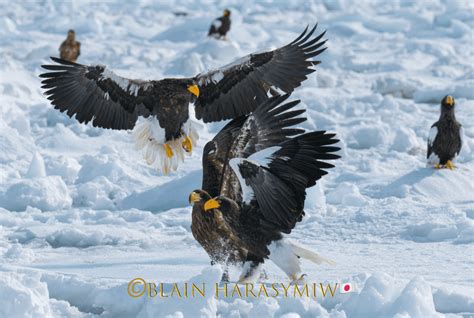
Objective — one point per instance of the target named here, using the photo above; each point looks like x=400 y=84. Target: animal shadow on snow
x=401 y=186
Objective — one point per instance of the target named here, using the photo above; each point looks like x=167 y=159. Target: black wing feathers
x=268 y=126
x=243 y=85
x=83 y=91
x=280 y=187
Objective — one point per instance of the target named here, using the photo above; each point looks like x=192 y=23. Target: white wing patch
x=461 y=135
x=263 y=157
x=217 y=75
x=217 y=23
x=129 y=86
x=432 y=135
x=433 y=159
x=247 y=192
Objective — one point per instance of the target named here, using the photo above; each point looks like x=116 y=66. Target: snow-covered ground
x=81 y=214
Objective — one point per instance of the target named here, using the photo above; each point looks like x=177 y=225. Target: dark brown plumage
x=70 y=49
x=273 y=170
x=268 y=125
x=213 y=232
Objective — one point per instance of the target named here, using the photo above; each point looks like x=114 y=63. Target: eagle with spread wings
x=255 y=174
x=96 y=94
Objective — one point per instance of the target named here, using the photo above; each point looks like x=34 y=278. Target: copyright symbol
x=136 y=287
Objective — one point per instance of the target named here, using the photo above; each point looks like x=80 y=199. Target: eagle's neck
x=447 y=115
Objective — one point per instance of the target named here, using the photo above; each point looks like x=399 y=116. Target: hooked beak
x=194 y=197
x=194 y=89
x=450 y=100
x=211 y=204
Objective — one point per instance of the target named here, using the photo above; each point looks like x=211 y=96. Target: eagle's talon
x=438 y=166
x=295 y=280
x=168 y=150
x=450 y=165
x=187 y=144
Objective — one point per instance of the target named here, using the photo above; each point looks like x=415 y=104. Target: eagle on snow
x=255 y=174
x=445 y=138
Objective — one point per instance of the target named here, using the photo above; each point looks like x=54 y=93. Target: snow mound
x=46 y=193
x=368 y=137
x=23 y=296
x=381 y=297
x=70 y=237
x=346 y=194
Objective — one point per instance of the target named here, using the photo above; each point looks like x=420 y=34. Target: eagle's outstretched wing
x=238 y=88
x=95 y=94
x=275 y=181
x=269 y=125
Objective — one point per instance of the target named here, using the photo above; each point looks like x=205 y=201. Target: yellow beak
x=194 y=89
x=194 y=197
x=450 y=100
x=211 y=204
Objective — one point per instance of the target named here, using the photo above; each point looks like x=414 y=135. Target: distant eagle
x=70 y=49
x=220 y=26
x=445 y=138
x=239 y=215
x=95 y=94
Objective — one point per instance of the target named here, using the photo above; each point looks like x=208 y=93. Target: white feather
x=217 y=23
x=284 y=253
x=150 y=139
x=433 y=159
x=127 y=85
x=263 y=157
x=249 y=273
x=461 y=135
x=218 y=74
x=432 y=135
x=247 y=192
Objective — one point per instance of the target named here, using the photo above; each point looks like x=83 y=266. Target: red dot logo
x=346 y=288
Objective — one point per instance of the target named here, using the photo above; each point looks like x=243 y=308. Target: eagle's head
x=448 y=102
x=193 y=89
x=71 y=35
x=200 y=196
x=226 y=13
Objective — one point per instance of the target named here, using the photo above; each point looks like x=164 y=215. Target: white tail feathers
x=286 y=255
x=310 y=255
x=150 y=139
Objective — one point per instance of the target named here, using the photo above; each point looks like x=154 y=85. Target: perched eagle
x=220 y=26
x=70 y=49
x=239 y=215
x=95 y=94
x=445 y=138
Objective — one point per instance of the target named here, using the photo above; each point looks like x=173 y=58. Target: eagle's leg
x=225 y=275
x=187 y=144
x=297 y=280
x=450 y=165
x=438 y=166
x=251 y=267
x=168 y=150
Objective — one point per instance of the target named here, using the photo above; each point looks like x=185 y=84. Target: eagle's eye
x=194 y=197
